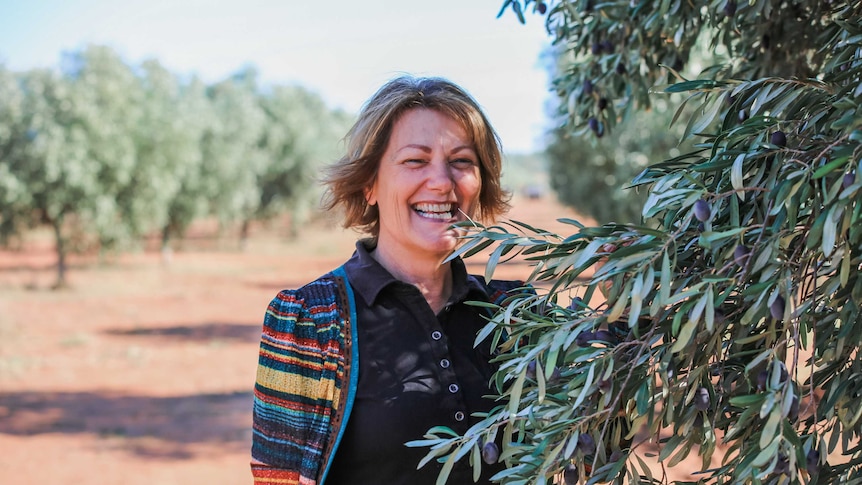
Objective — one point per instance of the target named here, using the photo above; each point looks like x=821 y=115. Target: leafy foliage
x=106 y=153
x=593 y=176
x=728 y=327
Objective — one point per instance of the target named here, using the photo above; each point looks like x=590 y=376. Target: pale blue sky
x=342 y=49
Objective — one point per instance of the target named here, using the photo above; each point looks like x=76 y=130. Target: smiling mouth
x=440 y=212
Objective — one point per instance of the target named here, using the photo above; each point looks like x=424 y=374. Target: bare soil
x=140 y=372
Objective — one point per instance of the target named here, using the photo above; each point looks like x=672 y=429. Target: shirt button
x=453 y=388
x=459 y=416
x=436 y=335
x=444 y=363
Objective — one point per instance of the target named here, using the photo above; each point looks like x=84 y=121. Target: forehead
x=428 y=124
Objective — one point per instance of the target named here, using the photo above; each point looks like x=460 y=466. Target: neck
x=430 y=275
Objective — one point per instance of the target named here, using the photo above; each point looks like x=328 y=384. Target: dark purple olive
x=698 y=420
x=621 y=68
x=765 y=41
x=729 y=100
x=782 y=375
x=702 y=210
x=607 y=46
x=701 y=227
x=701 y=399
x=762 y=377
x=743 y=115
x=605 y=336
x=570 y=474
x=740 y=254
x=555 y=376
x=531 y=369
x=778 y=138
x=603 y=103
x=588 y=87
x=812 y=461
x=577 y=304
x=616 y=456
x=596 y=126
x=583 y=339
x=586 y=444
x=776 y=309
x=541 y=8
x=596 y=48
x=490 y=453
x=782 y=466
x=729 y=9
x=794 y=408
x=848 y=180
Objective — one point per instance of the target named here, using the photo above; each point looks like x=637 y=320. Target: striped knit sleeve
x=500 y=290
x=294 y=389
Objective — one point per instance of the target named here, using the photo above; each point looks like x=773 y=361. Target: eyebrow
x=427 y=149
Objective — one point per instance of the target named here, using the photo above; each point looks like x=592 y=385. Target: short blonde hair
x=347 y=179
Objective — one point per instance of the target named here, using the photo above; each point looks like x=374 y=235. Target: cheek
x=469 y=186
x=468 y=195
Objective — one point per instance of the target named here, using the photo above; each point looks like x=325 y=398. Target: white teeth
x=433 y=207
x=434 y=211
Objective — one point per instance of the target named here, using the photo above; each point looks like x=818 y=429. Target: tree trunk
x=60 y=244
x=167 y=251
x=243 y=234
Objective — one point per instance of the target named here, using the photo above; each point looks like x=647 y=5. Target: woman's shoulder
x=314 y=299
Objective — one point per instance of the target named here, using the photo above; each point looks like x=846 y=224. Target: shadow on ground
x=163 y=427
x=203 y=332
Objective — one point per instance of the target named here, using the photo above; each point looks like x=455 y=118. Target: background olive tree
x=726 y=323
x=107 y=154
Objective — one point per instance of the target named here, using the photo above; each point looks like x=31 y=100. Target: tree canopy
x=106 y=153
x=725 y=324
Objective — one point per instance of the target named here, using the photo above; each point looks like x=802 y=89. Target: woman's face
x=427 y=179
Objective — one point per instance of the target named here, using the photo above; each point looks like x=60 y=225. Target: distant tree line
x=105 y=153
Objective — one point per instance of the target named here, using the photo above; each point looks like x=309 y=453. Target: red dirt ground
x=141 y=372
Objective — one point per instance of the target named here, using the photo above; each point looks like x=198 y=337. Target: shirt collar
x=368 y=278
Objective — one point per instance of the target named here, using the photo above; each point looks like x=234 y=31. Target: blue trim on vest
x=354 y=370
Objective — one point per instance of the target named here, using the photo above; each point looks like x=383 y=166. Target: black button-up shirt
x=416 y=370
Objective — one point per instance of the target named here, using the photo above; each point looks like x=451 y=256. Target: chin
x=448 y=243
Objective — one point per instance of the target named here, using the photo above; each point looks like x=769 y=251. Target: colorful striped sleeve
x=297 y=383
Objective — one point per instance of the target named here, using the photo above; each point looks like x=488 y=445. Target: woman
x=370 y=356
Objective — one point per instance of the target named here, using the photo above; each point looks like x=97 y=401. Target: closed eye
x=463 y=162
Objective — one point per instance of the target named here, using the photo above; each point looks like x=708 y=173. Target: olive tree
x=725 y=324
x=593 y=175
x=191 y=200
x=300 y=135
x=15 y=214
x=167 y=139
x=106 y=103
x=233 y=156
x=70 y=151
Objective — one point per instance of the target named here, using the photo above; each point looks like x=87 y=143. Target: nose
x=441 y=176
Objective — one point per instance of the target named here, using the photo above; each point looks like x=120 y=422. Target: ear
x=370 y=195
